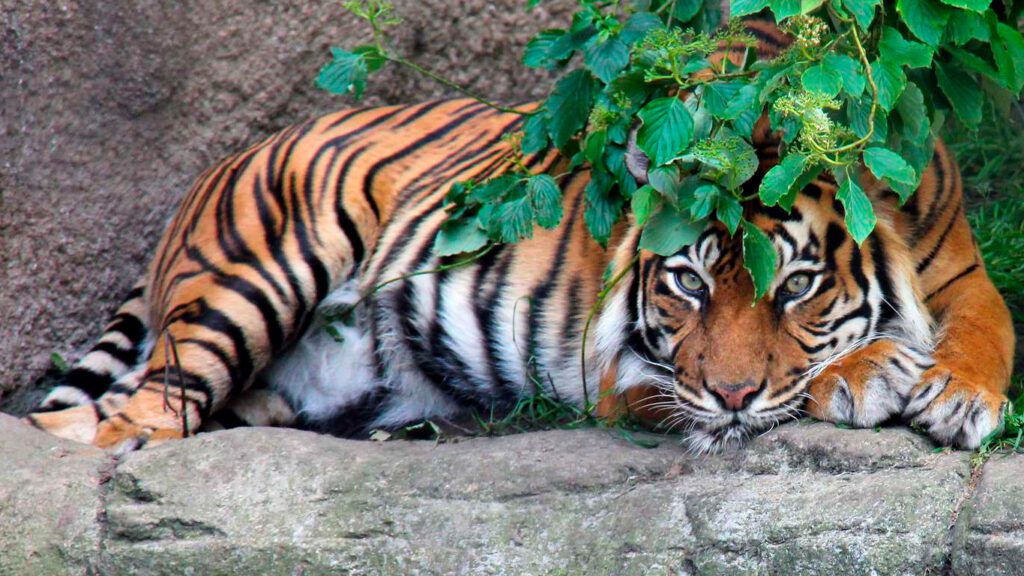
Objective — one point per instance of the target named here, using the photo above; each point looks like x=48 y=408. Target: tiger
x=236 y=320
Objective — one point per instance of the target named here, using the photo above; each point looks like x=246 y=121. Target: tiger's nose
x=736 y=396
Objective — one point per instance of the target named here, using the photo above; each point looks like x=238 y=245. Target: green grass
x=992 y=162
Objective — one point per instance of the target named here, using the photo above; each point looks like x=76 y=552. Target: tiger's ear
x=637 y=161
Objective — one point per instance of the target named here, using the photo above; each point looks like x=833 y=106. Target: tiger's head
x=723 y=366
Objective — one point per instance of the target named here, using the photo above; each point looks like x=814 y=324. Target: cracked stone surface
x=803 y=499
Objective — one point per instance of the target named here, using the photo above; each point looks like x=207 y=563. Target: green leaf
x=976 y=64
x=759 y=258
x=607 y=58
x=512 y=221
x=494 y=190
x=667 y=129
x=602 y=208
x=1014 y=43
x=925 y=18
x=962 y=92
x=742 y=161
x=546 y=198
x=718 y=95
x=742 y=101
x=615 y=161
x=685 y=10
x=345 y=73
x=665 y=179
x=579 y=34
x=860 y=216
x=913 y=113
x=535 y=133
x=888 y=165
x=978 y=6
x=642 y=203
x=808 y=6
x=785 y=8
x=638 y=26
x=862 y=10
x=809 y=175
x=965 y=26
x=729 y=212
x=569 y=106
x=593 y=147
x=901 y=52
x=822 y=79
x=778 y=182
x=704 y=200
x=458 y=237
x=890 y=80
x=849 y=70
x=668 y=231
x=745 y=7
x=59 y=363
x=539 y=49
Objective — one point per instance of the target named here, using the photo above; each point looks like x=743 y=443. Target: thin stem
x=874 y=97
x=446 y=82
x=442 y=268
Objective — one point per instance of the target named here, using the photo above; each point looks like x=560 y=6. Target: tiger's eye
x=798 y=283
x=690 y=281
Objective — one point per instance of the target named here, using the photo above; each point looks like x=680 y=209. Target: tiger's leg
x=257 y=406
x=870 y=381
x=71 y=410
x=960 y=400
x=213 y=343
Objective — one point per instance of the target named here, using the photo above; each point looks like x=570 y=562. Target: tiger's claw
x=953 y=409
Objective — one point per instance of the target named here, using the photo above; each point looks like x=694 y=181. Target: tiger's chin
x=727 y=432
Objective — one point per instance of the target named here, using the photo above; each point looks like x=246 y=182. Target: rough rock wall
x=108 y=110
x=804 y=499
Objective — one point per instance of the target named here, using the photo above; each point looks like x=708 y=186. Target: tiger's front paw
x=867 y=386
x=955 y=409
x=121 y=435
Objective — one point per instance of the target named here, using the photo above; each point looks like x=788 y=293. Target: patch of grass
x=539 y=411
x=1011 y=435
x=999 y=228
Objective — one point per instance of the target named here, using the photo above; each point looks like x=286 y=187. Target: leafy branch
x=348 y=70
x=862 y=88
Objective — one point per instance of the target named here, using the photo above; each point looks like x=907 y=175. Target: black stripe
x=92 y=383
x=129 y=325
x=351 y=421
x=953 y=219
x=952 y=281
x=448 y=127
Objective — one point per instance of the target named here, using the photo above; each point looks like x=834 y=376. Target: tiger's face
x=725 y=366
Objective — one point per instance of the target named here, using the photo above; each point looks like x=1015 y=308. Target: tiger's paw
x=120 y=435
x=867 y=386
x=954 y=409
x=77 y=423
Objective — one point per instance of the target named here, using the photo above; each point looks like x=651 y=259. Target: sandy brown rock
x=108 y=111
